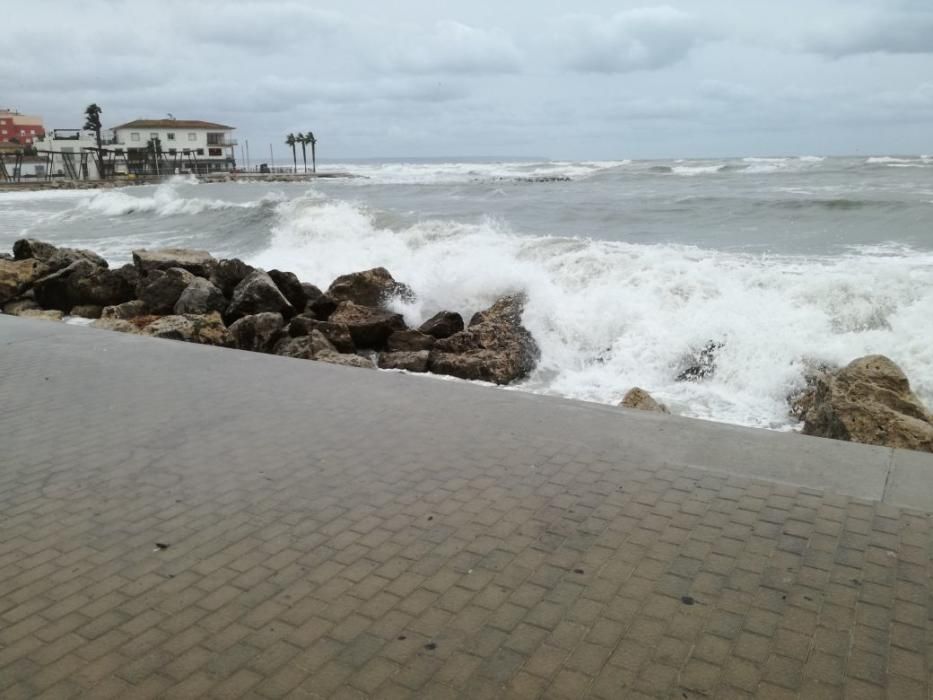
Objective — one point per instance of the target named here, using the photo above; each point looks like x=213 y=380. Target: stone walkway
x=182 y=521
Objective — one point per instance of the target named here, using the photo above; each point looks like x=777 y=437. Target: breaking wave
x=165 y=200
x=611 y=315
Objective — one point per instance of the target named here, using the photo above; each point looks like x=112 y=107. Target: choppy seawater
x=627 y=265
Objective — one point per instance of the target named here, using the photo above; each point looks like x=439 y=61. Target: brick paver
x=178 y=521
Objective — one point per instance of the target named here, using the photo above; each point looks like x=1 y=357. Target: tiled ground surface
x=335 y=535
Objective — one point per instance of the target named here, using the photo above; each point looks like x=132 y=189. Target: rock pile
x=189 y=295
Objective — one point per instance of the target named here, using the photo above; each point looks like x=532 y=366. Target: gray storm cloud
x=615 y=78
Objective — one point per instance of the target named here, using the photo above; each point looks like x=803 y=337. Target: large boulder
x=200 y=297
x=227 y=274
x=337 y=333
x=205 y=329
x=86 y=311
x=291 y=288
x=370 y=327
x=443 y=324
x=17 y=275
x=410 y=361
x=305 y=347
x=312 y=293
x=125 y=311
x=258 y=332
x=496 y=347
x=197 y=262
x=58 y=290
x=255 y=294
x=53 y=257
x=15 y=308
x=321 y=306
x=410 y=341
x=868 y=401
x=368 y=288
x=103 y=287
x=42 y=314
x=115 y=324
x=643 y=401
x=161 y=289
x=336 y=358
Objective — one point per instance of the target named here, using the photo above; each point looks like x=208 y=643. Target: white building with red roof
x=188 y=145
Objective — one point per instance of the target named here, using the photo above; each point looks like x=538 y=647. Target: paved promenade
x=184 y=522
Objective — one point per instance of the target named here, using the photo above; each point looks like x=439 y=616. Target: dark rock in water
x=17 y=275
x=197 y=262
x=102 y=287
x=227 y=274
x=868 y=401
x=496 y=347
x=322 y=307
x=53 y=257
x=409 y=341
x=443 y=324
x=643 y=401
x=258 y=333
x=208 y=329
x=200 y=297
x=86 y=311
x=336 y=358
x=255 y=294
x=57 y=291
x=410 y=361
x=369 y=327
x=368 y=288
x=291 y=288
x=700 y=364
x=161 y=289
x=126 y=310
x=306 y=347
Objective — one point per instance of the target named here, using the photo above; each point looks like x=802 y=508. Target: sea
x=630 y=268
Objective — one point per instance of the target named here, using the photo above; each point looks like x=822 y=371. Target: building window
x=192 y=136
x=134 y=136
x=172 y=151
x=215 y=151
x=171 y=135
x=4 y=132
x=200 y=151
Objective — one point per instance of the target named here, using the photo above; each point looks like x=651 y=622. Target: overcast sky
x=610 y=79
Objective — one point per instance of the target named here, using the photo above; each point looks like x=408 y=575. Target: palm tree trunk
x=313 y=157
x=295 y=158
x=304 y=156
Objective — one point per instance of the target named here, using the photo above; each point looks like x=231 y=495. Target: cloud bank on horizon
x=611 y=79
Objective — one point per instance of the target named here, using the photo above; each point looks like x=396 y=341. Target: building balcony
x=223 y=144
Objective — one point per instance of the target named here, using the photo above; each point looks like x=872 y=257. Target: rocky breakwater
x=189 y=295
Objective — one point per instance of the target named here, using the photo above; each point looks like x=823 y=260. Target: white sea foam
x=433 y=173
x=610 y=315
x=694 y=170
x=165 y=200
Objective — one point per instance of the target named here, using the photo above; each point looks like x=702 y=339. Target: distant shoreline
x=42 y=185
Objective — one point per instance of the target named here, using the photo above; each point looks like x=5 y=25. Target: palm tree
x=290 y=140
x=92 y=123
x=303 y=140
x=309 y=137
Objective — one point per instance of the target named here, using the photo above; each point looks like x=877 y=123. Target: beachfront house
x=23 y=129
x=183 y=145
x=72 y=154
